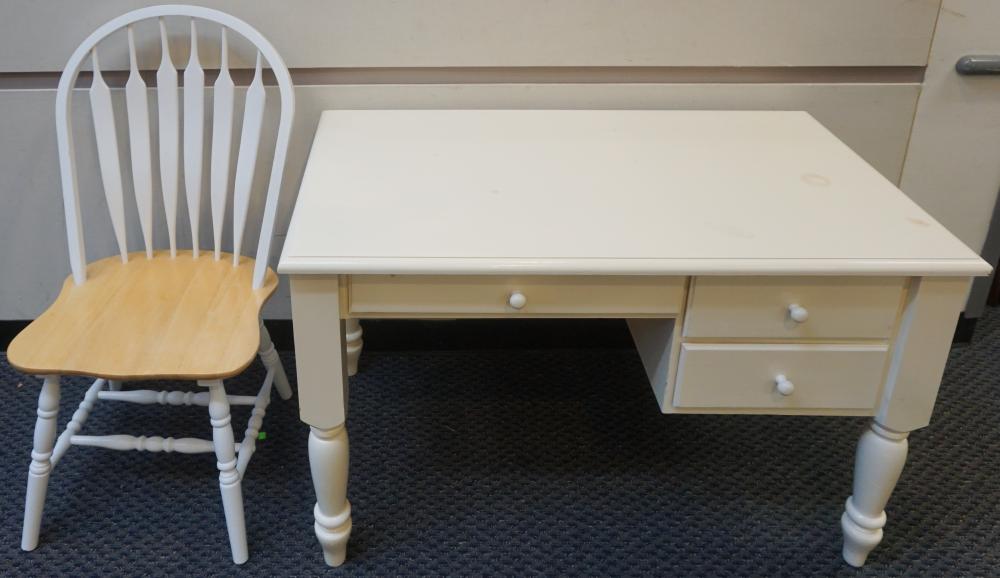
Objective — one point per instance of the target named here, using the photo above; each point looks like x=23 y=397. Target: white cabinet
x=953 y=162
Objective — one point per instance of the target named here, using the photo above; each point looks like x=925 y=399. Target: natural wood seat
x=171 y=318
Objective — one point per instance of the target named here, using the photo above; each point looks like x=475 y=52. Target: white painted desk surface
x=763 y=266
x=599 y=192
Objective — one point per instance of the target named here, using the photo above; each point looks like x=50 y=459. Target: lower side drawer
x=748 y=376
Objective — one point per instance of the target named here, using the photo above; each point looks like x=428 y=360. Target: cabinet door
x=952 y=167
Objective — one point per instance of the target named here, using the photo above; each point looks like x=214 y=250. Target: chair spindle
x=107 y=153
x=194 y=134
x=222 y=137
x=246 y=162
x=169 y=126
x=137 y=103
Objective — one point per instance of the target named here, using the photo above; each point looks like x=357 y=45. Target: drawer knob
x=784 y=386
x=517 y=300
x=798 y=313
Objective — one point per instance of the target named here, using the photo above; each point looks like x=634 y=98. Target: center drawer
x=734 y=308
x=786 y=376
x=583 y=296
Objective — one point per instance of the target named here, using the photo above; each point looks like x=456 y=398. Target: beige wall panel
x=393 y=33
x=872 y=119
x=953 y=165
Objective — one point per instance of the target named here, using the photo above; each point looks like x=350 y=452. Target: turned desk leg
x=920 y=351
x=877 y=466
x=354 y=345
x=328 y=461
x=321 y=364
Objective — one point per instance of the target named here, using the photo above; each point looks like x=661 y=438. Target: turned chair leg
x=879 y=462
x=269 y=357
x=41 y=462
x=354 y=345
x=328 y=460
x=229 y=478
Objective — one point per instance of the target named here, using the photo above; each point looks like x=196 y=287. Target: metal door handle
x=978 y=64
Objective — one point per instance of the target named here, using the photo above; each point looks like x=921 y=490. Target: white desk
x=762 y=265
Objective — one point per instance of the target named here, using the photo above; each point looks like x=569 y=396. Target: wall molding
x=526 y=75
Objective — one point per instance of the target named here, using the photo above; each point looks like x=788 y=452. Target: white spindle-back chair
x=173 y=314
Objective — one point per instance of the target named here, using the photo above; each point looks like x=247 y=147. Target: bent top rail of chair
x=169 y=318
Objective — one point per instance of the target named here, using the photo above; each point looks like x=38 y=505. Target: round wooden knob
x=517 y=300
x=784 y=386
x=798 y=313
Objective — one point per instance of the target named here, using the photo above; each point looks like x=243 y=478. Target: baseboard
x=965 y=329
x=9 y=330
x=465 y=334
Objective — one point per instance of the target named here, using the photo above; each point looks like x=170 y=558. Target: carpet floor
x=516 y=462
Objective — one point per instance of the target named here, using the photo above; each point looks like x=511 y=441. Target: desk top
x=603 y=192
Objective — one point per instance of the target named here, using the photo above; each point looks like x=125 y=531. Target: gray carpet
x=526 y=462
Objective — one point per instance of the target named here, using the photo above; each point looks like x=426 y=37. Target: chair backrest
x=169 y=120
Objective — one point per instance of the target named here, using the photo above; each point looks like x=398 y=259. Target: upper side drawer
x=594 y=296
x=793 y=307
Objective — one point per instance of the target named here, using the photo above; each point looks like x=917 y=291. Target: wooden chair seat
x=163 y=318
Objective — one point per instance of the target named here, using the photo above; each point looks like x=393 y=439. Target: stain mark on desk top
x=816 y=180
